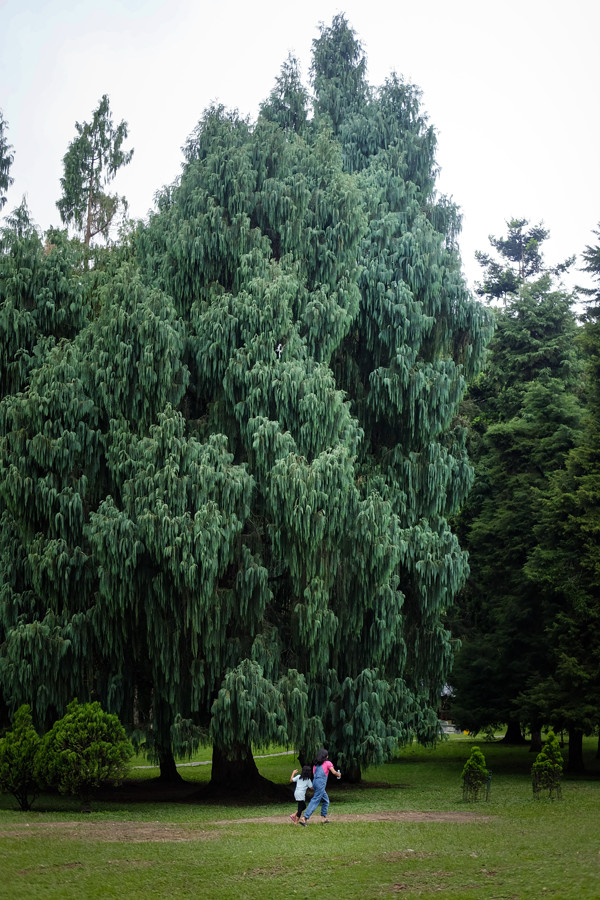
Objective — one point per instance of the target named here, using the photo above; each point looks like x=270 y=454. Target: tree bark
x=353 y=775
x=513 y=734
x=536 y=740
x=235 y=770
x=575 y=758
x=168 y=767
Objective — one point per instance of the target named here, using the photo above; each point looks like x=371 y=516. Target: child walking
x=303 y=783
x=321 y=769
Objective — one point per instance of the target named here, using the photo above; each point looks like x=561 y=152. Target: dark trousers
x=301 y=807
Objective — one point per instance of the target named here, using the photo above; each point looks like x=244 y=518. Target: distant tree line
x=530 y=654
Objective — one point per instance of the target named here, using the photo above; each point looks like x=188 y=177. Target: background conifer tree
x=565 y=564
x=90 y=164
x=526 y=411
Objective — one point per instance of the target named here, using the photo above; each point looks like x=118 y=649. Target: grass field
x=405 y=832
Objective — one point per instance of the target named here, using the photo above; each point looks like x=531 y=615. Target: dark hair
x=321 y=757
x=306 y=773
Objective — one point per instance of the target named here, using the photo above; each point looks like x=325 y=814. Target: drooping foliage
x=228 y=496
x=41 y=296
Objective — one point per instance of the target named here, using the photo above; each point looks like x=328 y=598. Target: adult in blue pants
x=321 y=769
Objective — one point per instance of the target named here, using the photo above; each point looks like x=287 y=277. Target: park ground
x=404 y=832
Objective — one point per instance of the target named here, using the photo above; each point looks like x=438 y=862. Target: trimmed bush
x=547 y=769
x=85 y=749
x=474 y=775
x=18 y=751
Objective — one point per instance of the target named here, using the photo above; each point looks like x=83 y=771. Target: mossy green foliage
x=83 y=750
x=18 y=753
x=474 y=775
x=547 y=768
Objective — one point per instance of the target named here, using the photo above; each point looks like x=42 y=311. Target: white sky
x=511 y=87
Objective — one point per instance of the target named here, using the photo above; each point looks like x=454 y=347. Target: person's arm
x=329 y=768
x=295 y=772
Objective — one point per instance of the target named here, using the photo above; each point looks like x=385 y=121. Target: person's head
x=306 y=773
x=321 y=757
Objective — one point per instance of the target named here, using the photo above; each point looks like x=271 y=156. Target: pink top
x=327 y=767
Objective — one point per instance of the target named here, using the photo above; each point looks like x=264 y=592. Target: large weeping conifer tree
x=267 y=451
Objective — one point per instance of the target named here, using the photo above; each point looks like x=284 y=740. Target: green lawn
x=405 y=832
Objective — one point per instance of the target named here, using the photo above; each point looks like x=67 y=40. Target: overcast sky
x=511 y=87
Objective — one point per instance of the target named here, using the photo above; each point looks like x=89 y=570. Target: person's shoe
x=294 y=818
x=324 y=820
x=302 y=821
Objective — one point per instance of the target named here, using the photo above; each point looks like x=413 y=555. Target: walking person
x=321 y=769
x=303 y=784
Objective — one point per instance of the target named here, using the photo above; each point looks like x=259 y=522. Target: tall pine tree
x=245 y=464
x=565 y=564
x=526 y=416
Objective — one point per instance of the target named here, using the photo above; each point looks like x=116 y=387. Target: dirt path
x=155 y=832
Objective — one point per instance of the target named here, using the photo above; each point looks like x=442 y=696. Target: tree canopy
x=90 y=165
x=225 y=498
x=520 y=259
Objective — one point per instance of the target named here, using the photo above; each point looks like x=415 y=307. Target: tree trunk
x=536 y=740
x=352 y=774
x=575 y=759
x=168 y=767
x=163 y=720
x=236 y=770
x=513 y=733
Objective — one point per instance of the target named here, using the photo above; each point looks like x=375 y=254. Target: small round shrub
x=547 y=769
x=474 y=775
x=85 y=749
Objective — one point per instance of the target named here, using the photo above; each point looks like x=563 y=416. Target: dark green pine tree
x=526 y=415
x=228 y=495
x=566 y=563
x=520 y=259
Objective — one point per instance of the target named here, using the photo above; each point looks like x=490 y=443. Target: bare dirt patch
x=112 y=832
x=158 y=832
x=456 y=818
